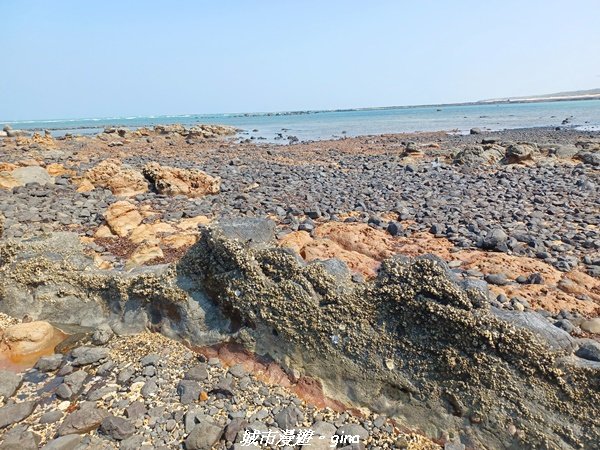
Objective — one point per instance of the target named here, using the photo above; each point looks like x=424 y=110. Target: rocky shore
x=184 y=288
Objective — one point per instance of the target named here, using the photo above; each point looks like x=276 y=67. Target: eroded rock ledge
x=413 y=343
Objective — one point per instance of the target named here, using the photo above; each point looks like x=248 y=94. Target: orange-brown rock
x=363 y=248
x=56 y=170
x=7 y=181
x=147 y=232
x=121 y=180
x=29 y=338
x=144 y=253
x=102 y=263
x=552 y=295
x=180 y=240
x=84 y=185
x=104 y=231
x=172 y=181
x=7 y=167
x=360 y=246
x=22 y=344
x=122 y=217
x=192 y=223
x=46 y=141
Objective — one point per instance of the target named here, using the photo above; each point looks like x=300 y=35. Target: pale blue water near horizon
x=582 y=114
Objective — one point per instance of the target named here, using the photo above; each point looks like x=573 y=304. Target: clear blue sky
x=103 y=58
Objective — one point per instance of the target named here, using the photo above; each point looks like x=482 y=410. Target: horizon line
x=528 y=99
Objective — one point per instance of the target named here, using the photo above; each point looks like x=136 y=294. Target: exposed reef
x=414 y=343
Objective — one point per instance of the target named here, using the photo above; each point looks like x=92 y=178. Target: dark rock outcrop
x=413 y=343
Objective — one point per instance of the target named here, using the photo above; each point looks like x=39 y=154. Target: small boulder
x=204 y=435
x=15 y=412
x=49 y=363
x=75 y=380
x=394 y=228
x=117 y=428
x=19 y=438
x=32 y=174
x=519 y=153
x=102 y=335
x=197 y=373
x=589 y=349
x=82 y=356
x=9 y=383
x=30 y=337
x=353 y=429
x=498 y=279
x=289 y=417
x=476 y=155
x=592 y=159
x=189 y=391
x=82 y=421
x=495 y=240
x=591 y=326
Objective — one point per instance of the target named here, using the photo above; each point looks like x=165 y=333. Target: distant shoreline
x=511 y=101
x=319 y=125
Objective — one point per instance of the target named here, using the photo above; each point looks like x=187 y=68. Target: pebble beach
x=184 y=287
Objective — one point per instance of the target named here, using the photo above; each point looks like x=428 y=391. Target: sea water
x=313 y=125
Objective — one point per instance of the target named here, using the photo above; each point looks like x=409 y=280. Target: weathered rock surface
x=255 y=232
x=60 y=284
x=49 y=363
x=82 y=356
x=592 y=325
x=519 y=153
x=27 y=338
x=189 y=182
x=120 y=179
x=203 y=131
x=7 y=181
x=438 y=334
x=479 y=155
x=122 y=217
x=11 y=177
x=411 y=343
x=363 y=248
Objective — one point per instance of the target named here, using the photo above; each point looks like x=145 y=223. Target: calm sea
x=584 y=114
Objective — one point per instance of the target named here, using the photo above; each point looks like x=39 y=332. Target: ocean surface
x=314 y=125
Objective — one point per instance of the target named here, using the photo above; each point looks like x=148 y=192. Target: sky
x=80 y=59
